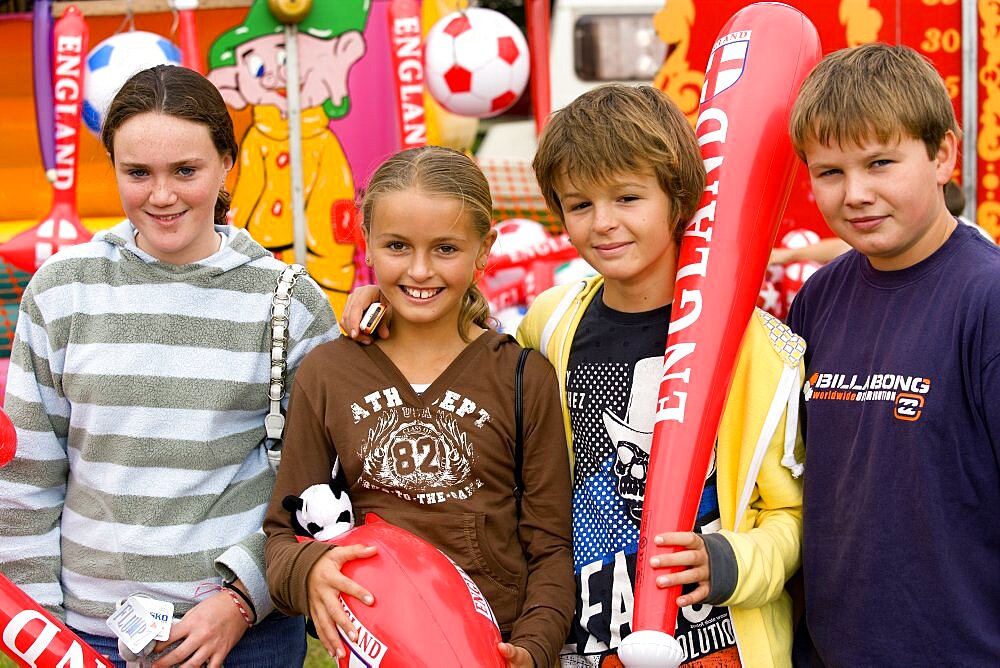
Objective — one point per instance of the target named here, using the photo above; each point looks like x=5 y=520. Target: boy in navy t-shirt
x=901 y=545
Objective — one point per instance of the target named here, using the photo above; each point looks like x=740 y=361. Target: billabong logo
x=908 y=407
x=906 y=393
x=807 y=387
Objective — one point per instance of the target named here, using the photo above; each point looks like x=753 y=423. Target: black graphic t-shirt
x=611 y=389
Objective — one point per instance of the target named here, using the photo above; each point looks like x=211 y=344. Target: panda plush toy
x=322 y=511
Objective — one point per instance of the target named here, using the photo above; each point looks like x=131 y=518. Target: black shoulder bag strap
x=519 y=428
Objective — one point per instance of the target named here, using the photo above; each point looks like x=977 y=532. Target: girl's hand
x=516 y=657
x=206 y=634
x=354 y=309
x=694 y=556
x=325 y=583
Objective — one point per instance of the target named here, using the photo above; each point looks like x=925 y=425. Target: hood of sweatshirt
x=238 y=249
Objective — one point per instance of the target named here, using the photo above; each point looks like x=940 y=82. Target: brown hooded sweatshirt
x=441 y=465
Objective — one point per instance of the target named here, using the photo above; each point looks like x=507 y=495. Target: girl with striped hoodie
x=138 y=385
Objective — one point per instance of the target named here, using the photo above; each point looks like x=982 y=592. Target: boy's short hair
x=619 y=129
x=872 y=92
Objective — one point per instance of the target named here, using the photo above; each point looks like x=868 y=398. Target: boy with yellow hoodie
x=621 y=167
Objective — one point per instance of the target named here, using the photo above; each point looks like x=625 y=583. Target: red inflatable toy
x=190 y=51
x=754 y=71
x=61 y=227
x=35 y=639
x=427 y=613
x=408 y=72
x=523 y=262
x=795 y=275
x=771 y=298
x=8 y=439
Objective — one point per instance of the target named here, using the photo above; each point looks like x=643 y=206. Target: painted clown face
x=249 y=62
x=262 y=72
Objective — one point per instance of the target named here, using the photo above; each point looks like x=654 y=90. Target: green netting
x=515 y=192
x=12 y=287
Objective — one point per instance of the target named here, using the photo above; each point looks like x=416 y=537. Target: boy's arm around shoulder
x=760 y=437
x=545 y=528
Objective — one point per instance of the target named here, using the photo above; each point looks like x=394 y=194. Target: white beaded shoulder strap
x=274 y=422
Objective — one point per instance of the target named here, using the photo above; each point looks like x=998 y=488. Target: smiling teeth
x=420 y=294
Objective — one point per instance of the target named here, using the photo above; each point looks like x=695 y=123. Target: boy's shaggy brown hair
x=620 y=129
x=872 y=92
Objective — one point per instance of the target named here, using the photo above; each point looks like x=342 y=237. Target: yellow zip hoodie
x=757 y=454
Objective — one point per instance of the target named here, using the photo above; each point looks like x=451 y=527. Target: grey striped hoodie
x=138 y=390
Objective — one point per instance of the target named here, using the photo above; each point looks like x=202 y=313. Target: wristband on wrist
x=239 y=606
x=237 y=594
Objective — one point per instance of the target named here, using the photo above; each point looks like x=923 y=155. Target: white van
x=591 y=42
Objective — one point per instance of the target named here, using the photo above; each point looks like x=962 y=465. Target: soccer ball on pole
x=476 y=62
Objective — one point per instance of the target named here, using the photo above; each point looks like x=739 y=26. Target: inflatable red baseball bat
x=61 y=227
x=556 y=248
x=190 y=51
x=70 y=43
x=33 y=638
x=754 y=72
x=8 y=439
x=536 y=19
x=408 y=72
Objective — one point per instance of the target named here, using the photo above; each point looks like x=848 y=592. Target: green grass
x=316 y=657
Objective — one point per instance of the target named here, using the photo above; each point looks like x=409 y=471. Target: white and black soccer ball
x=112 y=62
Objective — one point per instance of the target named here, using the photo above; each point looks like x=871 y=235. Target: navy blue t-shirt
x=901 y=543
